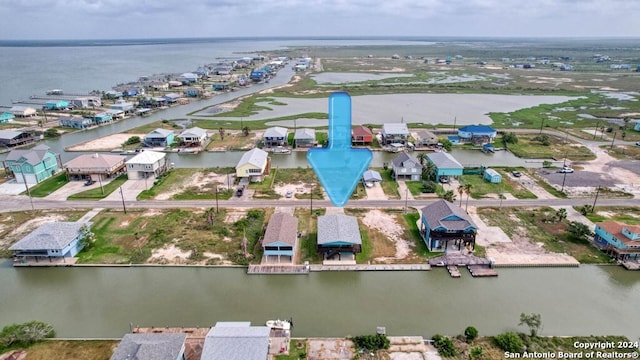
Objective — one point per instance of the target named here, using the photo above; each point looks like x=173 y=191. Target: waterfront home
x=115 y=114
x=395 y=133
x=444 y=226
x=159 y=85
x=102 y=118
x=22 y=111
x=194 y=136
x=361 y=135
x=622 y=241
x=159 y=138
x=32 y=165
x=281 y=238
x=85 y=102
x=445 y=165
x=492 y=176
x=132 y=92
x=275 y=136
x=476 y=134
x=146 y=165
x=95 y=167
x=56 y=105
x=426 y=138
x=52 y=240
x=151 y=346
x=253 y=164
x=124 y=106
x=406 y=167
x=5 y=117
x=188 y=78
x=172 y=97
x=305 y=137
x=194 y=92
x=236 y=341
x=11 y=138
x=339 y=235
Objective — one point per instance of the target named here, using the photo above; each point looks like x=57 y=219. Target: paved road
x=17 y=203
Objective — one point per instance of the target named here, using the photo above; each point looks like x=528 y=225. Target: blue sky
x=104 y=19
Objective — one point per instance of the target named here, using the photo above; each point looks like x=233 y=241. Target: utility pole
x=455 y=118
x=612 y=140
x=593 y=208
x=217 y=209
x=406 y=198
x=100 y=180
x=563 y=180
x=27 y=186
x=124 y=208
x=311 y=200
x=541 y=125
x=595 y=133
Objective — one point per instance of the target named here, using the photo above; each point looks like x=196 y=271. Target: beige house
x=94 y=167
x=147 y=164
x=254 y=164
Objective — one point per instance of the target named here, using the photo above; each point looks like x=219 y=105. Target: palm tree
x=245 y=131
x=422 y=157
x=221 y=131
x=449 y=196
x=561 y=214
x=209 y=215
x=467 y=190
x=428 y=170
x=460 y=191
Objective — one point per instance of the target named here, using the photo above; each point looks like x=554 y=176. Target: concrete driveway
x=70 y=188
x=13 y=188
x=131 y=189
x=375 y=192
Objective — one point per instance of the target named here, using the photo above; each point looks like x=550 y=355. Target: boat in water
x=279 y=324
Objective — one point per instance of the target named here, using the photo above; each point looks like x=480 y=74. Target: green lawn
x=50 y=185
x=415 y=187
x=97 y=194
x=529 y=148
x=389 y=185
x=480 y=187
x=627 y=215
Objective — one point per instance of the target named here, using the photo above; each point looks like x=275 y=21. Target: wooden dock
x=277 y=269
x=453 y=271
x=481 y=271
x=371 y=267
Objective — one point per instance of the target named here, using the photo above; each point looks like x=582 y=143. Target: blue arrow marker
x=339 y=167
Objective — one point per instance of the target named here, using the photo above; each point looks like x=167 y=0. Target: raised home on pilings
x=444 y=226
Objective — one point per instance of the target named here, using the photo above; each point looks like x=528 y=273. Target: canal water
x=104 y=301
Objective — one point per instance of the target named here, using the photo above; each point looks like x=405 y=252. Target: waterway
x=104 y=301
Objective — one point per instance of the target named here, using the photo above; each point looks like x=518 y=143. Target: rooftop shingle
x=150 y=347
x=333 y=228
x=50 y=236
x=283 y=228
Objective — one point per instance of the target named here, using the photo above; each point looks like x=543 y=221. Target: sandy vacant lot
x=105 y=143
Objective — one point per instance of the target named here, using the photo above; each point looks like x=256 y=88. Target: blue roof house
x=446 y=165
x=492 y=176
x=444 y=226
x=53 y=240
x=477 y=134
x=280 y=238
x=75 y=122
x=5 y=117
x=33 y=165
x=56 y=105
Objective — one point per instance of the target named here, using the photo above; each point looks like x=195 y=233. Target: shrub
x=133 y=140
x=25 y=334
x=51 y=133
x=429 y=187
x=371 y=342
x=470 y=333
x=445 y=346
x=509 y=341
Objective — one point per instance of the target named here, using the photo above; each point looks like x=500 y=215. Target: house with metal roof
x=159 y=138
x=275 y=136
x=620 y=240
x=194 y=136
x=171 y=97
x=305 y=137
x=124 y=106
x=445 y=164
x=253 y=164
x=361 y=135
x=444 y=226
x=96 y=167
x=56 y=105
x=371 y=176
x=236 y=341
x=52 y=240
x=477 y=134
x=75 y=122
x=406 y=167
x=33 y=165
x=23 y=111
x=339 y=235
x=146 y=165
x=161 y=346
x=426 y=138
x=492 y=176
x=281 y=238
x=395 y=133
x=102 y=118
x=188 y=78
x=11 y=138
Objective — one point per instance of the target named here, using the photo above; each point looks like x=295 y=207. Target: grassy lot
x=415 y=187
x=389 y=185
x=623 y=152
x=627 y=215
x=297 y=350
x=412 y=233
x=131 y=237
x=96 y=193
x=359 y=193
x=175 y=181
x=72 y=349
x=546 y=186
x=232 y=141
x=535 y=225
x=308 y=226
x=50 y=185
x=163 y=124
x=529 y=148
x=480 y=188
x=264 y=189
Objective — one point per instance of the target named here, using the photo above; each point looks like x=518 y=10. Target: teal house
x=636 y=127
x=445 y=165
x=159 y=138
x=33 y=165
x=102 y=118
x=446 y=227
x=56 y=105
x=492 y=176
x=75 y=122
x=280 y=238
x=5 y=117
x=619 y=240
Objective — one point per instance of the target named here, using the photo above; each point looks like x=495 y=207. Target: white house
x=123 y=106
x=147 y=164
x=194 y=136
x=23 y=111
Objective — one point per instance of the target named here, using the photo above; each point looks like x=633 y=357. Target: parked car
x=89 y=182
x=289 y=194
x=239 y=192
x=444 y=179
x=565 y=169
x=637 y=143
x=516 y=173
